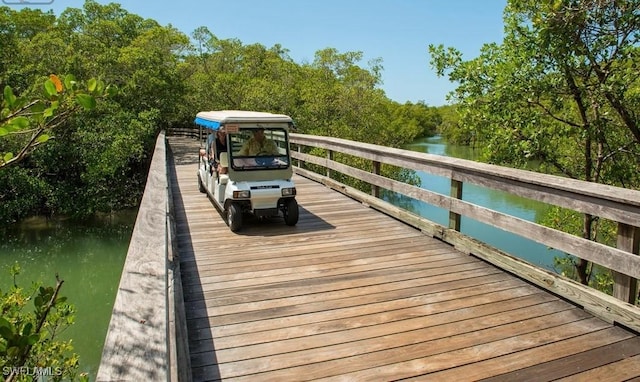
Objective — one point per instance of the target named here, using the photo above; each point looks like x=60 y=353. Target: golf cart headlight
x=291 y=191
x=246 y=194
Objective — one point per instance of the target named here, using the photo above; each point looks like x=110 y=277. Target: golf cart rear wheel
x=290 y=212
x=234 y=217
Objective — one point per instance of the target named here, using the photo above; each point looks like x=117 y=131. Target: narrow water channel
x=523 y=208
x=88 y=256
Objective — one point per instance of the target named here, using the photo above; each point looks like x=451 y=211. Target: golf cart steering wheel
x=263 y=160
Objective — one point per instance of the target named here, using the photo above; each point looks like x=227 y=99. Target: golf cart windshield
x=259 y=149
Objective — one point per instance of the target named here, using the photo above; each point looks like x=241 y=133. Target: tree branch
x=553 y=116
x=32 y=144
x=25 y=354
x=18 y=112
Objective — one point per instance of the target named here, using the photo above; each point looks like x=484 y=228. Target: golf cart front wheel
x=290 y=212
x=234 y=217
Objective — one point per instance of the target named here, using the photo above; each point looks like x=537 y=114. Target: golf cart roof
x=215 y=119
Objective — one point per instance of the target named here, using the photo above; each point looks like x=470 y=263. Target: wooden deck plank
x=626 y=369
x=308 y=292
x=439 y=349
x=386 y=264
x=411 y=317
x=351 y=294
x=472 y=359
x=295 y=257
x=394 y=323
x=407 y=319
x=357 y=299
x=355 y=310
x=578 y=363
x=545 y=353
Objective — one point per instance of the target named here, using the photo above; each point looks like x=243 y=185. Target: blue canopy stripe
x=214 y=125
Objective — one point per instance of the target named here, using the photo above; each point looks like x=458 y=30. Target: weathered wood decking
x=352 y=294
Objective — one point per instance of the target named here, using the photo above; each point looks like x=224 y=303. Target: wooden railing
x=146 y=339
x=616 y=204
x=191 y=132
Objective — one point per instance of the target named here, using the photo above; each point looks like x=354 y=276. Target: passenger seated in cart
x=220 y=147
x=259 y=145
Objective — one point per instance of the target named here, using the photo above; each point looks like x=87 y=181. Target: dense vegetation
x=561 y=90
x=96 y=160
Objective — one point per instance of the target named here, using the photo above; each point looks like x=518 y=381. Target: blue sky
x=397 y=31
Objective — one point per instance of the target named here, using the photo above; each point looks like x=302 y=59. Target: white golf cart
x=251 y=172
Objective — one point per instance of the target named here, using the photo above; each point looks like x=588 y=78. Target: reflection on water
x=496 y=200
x=87 y=255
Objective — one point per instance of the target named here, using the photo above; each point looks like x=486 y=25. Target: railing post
x=456 y=192
x=300 y=162
x=329 y=157
x=375 y=190
x=625 y=287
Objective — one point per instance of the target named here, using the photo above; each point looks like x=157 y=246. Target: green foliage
x=604 y=231
x=21 y=193
x=599 y=278
x=543 y=89
x=561 y=91
x=450 y=127
x=27 y=121
x=148 y=68
x=28 y=336
x=91 y=146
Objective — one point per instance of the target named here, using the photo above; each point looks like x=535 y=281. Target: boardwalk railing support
x=456 y=192
x=625 y=288
x=375 y=190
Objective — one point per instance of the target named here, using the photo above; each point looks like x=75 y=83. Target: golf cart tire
x=291 y=212
x=234 y=217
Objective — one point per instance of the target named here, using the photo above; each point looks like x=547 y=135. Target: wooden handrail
x=617 y=204
x=146 y=339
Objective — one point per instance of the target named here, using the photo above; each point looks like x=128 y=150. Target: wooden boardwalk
x=351 y=294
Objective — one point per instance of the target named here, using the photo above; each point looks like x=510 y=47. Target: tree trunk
x=582 y=267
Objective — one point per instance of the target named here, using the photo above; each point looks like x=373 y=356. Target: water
x=88 y=256
x=523 y=208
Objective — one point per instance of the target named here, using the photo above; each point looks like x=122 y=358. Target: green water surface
x=88 y=255
x=523 y=208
